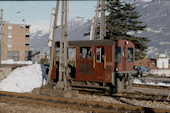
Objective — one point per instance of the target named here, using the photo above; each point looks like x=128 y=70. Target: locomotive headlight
x=116 y=69
x=126 y=42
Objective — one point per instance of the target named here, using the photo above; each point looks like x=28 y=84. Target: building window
x=100 y=54
x=130 y=54
x=117 y=54
x=9 y=27
x=9 y=43
x=85 y=52
x=27 y=26
x=15 y=55
x=9 y=31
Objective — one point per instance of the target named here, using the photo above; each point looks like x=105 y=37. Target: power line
x=82 y=9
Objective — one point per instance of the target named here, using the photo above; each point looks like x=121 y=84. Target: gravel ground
x=154 y=104
x=11 y=107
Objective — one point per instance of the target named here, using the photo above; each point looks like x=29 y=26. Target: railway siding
x=76 y=104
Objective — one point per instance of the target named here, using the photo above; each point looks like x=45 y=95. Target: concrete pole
x=65 y=50
x=102 y=16
x=104 y=20
x=23 y=55
x=92 y=29
x=51 y=29
x=101 y=21
x=53 y=43
x=1 y=40
x=61 y=62
x=94 y=22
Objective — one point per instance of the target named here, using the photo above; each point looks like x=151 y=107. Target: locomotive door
x=99 y=66
x=84 y=64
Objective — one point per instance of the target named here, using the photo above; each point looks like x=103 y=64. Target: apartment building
x=15 y=41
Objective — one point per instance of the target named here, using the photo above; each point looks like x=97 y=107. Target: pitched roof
x=148 y=63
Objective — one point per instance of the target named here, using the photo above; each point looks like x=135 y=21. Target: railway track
x=88 y=106
x=135 y=95
x=142 y=96
x=151 y=86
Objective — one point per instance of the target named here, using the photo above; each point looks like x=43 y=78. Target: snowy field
x=148 y=82
x=24 y=79
x=10 y=61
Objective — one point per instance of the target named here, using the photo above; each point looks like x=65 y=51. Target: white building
x=162 y=61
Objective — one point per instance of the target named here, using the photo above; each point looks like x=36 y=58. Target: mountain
x=154 y=14
x=76 y=29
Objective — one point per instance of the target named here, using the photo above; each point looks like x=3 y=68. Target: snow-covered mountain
x=76 y=29
x=154 y=14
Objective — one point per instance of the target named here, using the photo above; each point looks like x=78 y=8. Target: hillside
x=154 y=14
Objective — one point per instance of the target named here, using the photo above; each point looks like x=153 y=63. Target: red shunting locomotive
x=101 y=65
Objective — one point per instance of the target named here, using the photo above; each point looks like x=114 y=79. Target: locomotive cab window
x=71 y=54
x=124 y=51
x=85 y=52
x=130 y=54
x=100 y=54
x=117 y=54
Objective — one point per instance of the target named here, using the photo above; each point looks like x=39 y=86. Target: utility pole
x=23 y=55
x=94 y=22
x=60 y=83
x=53 y=43
x=65 y=50
x=63 y=65
x=102 y=20
x=1 y=39
x=50 y=39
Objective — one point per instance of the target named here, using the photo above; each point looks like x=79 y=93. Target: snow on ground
x=10 y=61
x=140 y=81
x=24 y=79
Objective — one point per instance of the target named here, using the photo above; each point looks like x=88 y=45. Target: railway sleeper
x=91 y=86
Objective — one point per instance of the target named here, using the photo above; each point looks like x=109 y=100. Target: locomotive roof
x=89 y=42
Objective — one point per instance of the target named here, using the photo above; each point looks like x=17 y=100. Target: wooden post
x=53 y=43
x=95 y=22
x=102 y=16
x=61 y=62
x=104 y=19
x=65 y=50
x=1 y=40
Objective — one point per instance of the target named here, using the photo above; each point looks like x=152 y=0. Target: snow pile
x=10 y=61
x=24 y=79
x=140 y=81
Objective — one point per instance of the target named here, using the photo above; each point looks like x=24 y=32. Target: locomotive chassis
x=110 y=76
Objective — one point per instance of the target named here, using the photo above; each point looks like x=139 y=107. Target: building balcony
x=27 y=43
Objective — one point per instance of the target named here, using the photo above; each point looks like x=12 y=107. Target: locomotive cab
x=103 y=64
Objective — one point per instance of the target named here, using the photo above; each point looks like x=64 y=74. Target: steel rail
x=151 y=86
x=75 y=103
x=142 y=96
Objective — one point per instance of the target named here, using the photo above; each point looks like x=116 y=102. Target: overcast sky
x=39 y=12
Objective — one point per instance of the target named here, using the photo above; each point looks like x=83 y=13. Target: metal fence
x=32 y=56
